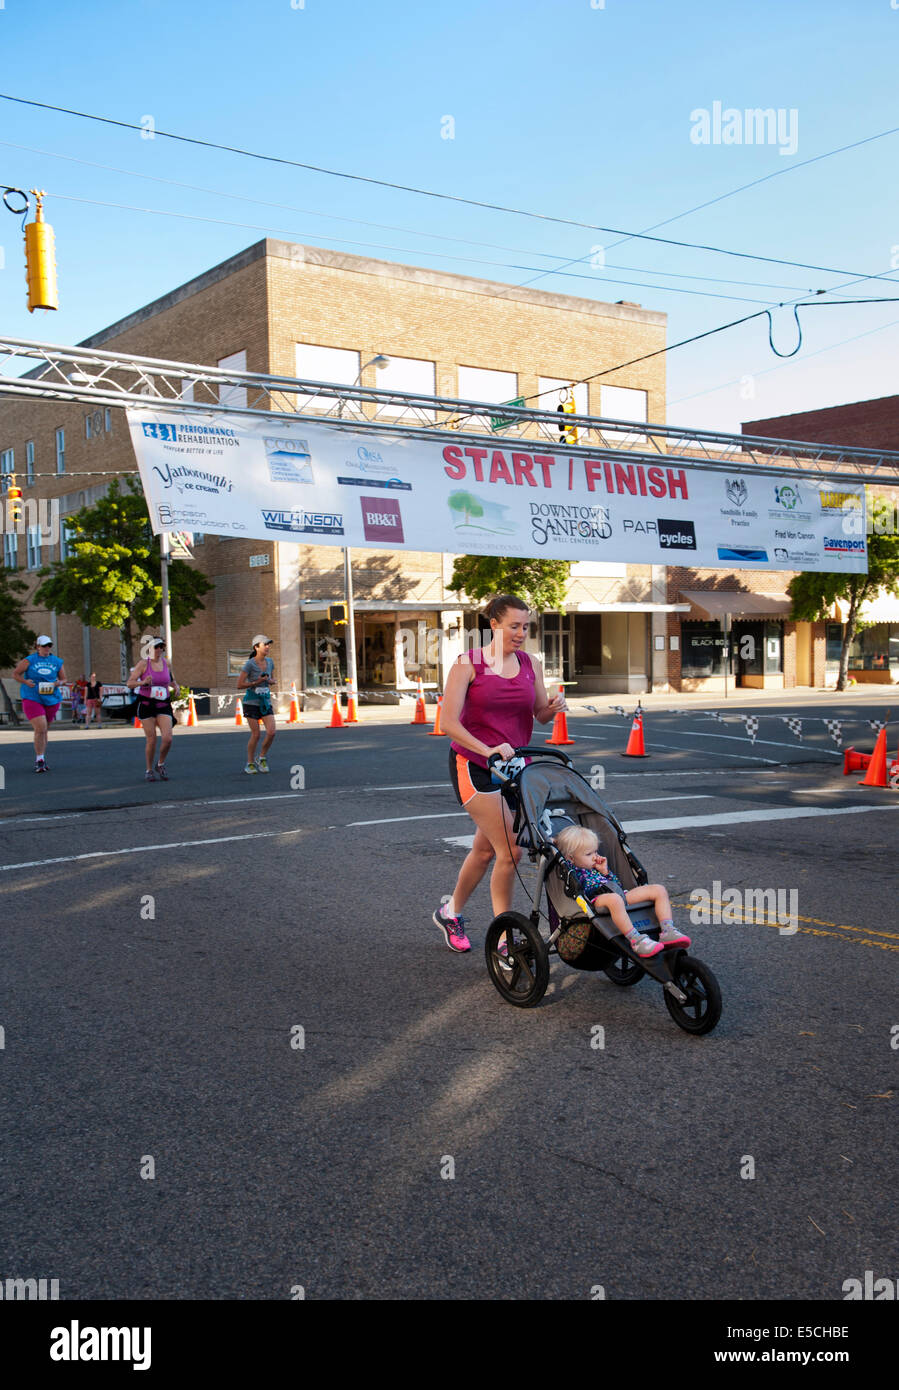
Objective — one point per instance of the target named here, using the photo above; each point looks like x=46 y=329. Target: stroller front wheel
x=702 y=1008
x=522 y=974
x=623 y=971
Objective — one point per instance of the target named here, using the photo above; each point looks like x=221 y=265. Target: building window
x=88 y=423
x=34 y=547
x=7 y=466
x=187 y=389
x=66 y=536
x=623 y=403
x=10 y=550
x=29 y=463
x=235 y=396
x=875 y=648
x=338 y=365
x=406 y=374
x=60 y=451
x=237 y=660
x=702 y=649
x=107 y=420
x=482 y=384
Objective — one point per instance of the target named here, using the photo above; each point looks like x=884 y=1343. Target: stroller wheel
x=703 y=1007
x=521 y=976
x=624 y=972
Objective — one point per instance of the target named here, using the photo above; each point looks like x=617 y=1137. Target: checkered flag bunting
x=618 y=709
x=835 y=729
x=877 y=724
x=713 y=714
x=794 y=725
x=752 y=725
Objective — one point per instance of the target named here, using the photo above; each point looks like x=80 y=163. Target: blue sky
x=564 y=109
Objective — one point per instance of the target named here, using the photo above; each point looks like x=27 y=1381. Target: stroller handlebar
x=501 y=768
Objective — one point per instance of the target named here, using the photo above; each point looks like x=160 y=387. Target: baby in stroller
x=580 y=847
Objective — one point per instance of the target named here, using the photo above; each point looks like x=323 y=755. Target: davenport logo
x=676 y=535
x=382 y=519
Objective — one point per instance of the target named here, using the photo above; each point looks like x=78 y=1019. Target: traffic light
x=14 y=501
x=337 y=614
x=568 y=433
x=40 y=260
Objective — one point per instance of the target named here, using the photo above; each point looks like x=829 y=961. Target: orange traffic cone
x=876 y=776
x=635 y=747
x=420 y=716
x=336 y=716
x=559 y=736
x=192 y=720
x=437 y=732
x=294 y=715
x=238 y=718
x=137 y=724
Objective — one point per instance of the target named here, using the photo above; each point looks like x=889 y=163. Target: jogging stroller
x=545 y=795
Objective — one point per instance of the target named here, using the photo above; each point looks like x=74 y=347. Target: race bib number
x=159 y=692
x=46 y=688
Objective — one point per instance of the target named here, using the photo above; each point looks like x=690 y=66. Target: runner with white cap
x=39 y=676
x=256 y=678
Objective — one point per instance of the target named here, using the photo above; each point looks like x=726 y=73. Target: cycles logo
x=676 y=535
x=382 y=520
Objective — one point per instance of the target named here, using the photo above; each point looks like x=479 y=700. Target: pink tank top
x=151 y=678
x=497 y=710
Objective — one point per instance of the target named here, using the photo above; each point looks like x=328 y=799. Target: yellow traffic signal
x=13 y=501
x=40 y=260
x=337 y=614
x=568 y=433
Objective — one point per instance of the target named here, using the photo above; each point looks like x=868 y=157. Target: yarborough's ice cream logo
x=556 y=521
x=184 y=479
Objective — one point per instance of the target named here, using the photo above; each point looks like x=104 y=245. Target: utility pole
x=164 y=553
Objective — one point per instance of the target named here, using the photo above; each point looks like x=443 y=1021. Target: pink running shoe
x=453 y=929
x=644 y=946
x=670 y=936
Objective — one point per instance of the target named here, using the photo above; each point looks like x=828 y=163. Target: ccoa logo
x=382 y=519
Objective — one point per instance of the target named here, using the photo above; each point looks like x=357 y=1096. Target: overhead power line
x=427 y=192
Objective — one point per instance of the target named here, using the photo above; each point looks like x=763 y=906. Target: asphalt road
x=165 y=943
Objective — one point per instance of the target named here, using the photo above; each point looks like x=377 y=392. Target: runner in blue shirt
x=40 y=676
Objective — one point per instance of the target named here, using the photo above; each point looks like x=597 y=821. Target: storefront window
x=702 y=649
x=876 y=648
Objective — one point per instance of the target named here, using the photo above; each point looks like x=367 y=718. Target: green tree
x=541 y=583
x=465 y=503
x=112 y=575
x=813 y=594
x=15 y=638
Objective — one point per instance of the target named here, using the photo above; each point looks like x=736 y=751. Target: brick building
x=300 y=311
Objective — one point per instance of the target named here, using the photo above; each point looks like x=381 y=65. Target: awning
x=715 y=603
x=882 y=608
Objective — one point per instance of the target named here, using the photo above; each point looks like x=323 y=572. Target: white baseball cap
x=259 y=638
x=44 y=642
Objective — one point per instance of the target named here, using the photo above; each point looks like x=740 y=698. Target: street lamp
x=379 y=362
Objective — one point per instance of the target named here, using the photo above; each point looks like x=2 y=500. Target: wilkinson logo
x=304 y=523
x=381 y=519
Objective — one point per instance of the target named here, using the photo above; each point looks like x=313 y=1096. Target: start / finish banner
x=304 y=481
